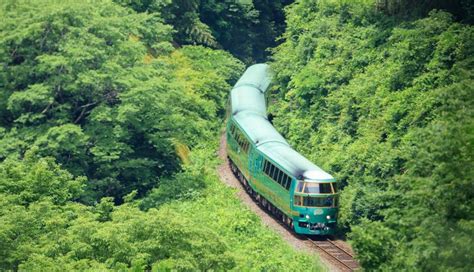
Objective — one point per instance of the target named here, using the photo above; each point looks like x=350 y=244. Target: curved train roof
x=249 y=112
x=294 y=162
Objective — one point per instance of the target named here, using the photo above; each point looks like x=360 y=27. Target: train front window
x=312 y=201
x=316 y=188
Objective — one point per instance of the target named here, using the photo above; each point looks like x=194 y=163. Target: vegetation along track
x=331 y=258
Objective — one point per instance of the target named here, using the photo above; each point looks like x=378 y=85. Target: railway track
x=334 y=258
x=344 y=258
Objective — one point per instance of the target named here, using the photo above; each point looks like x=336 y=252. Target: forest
x=384 y=100
x=111 y=113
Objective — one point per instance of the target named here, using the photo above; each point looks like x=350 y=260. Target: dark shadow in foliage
x=463 y=10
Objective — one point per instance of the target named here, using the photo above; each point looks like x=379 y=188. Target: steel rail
x=342 y=249
x=339 y=260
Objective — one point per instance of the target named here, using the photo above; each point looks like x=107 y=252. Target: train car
x=280 y=179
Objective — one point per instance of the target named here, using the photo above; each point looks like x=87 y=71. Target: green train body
x=291 y=187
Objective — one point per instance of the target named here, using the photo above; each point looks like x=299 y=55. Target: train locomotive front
x=316 y=205
x=283 y=181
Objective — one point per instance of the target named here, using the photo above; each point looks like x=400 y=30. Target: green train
x=288 y=185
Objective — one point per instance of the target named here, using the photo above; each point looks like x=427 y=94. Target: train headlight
x=307 y=216
x=328 y=217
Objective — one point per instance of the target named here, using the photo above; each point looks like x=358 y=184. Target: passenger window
x=272 y=169
x=288 y=183
x=283 y=179
x=278 y=177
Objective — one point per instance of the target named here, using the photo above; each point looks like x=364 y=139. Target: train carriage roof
x=292 y=161
x=246 y=98
x=248 y=93
x=249 y=112
x=257 y=75
x=258 y=128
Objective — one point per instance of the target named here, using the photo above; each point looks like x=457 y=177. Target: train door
x=255 y=164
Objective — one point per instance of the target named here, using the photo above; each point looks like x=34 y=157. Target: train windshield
x=316 y=188
x=313 y=201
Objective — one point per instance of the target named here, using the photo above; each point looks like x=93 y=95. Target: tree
x=385 y=104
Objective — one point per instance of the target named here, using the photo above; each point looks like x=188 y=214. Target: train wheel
x=232 y=166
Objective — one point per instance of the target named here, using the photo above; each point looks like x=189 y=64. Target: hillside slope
x=386 y=104
x=108 y=134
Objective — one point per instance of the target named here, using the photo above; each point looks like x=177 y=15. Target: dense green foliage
x=463 y=10
x=245 y=28
x=387 y=106
x=97 y=108
x=43 y=229
x=95 y=88
x=109 y=111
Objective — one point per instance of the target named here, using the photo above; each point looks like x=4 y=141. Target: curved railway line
x=334 y=256
x=344 y=258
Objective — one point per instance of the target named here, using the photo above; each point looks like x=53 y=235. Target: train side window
x=269 y=168
x=275 y=175
x=282 y=179
x=272 y=169
x=265 y=166
x=288 y=182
